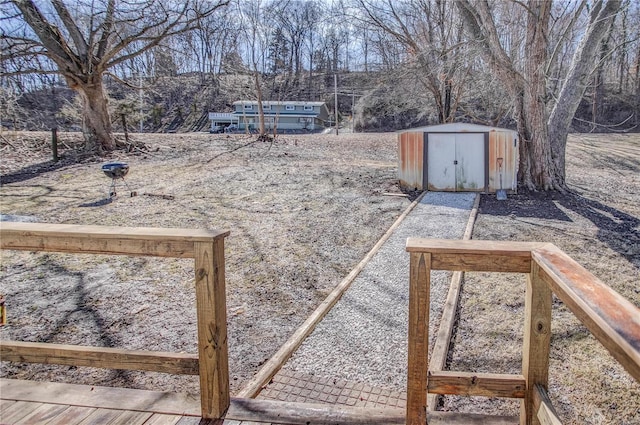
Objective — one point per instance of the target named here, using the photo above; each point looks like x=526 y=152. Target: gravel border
x=364 y=337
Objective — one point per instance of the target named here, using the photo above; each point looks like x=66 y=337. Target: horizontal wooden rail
x=473 y=255
x=137 y=241
x=206 y=247
x=102 y=357
x=612 y=319
x=476 y=384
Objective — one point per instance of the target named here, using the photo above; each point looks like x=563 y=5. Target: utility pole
x=140 y=99
x=353 y=111
x=335 y=90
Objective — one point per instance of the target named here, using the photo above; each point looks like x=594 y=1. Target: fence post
x=54 y=143
x=536 y=344
x=418 y=360
x=212 y=328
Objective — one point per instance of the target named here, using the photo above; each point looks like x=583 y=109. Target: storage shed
x=458 y=157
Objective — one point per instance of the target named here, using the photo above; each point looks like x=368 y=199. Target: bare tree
x=257 y=34
x=543 y=125
x=86 y=39
x=432 y=43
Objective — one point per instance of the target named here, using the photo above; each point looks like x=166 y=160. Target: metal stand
x=112 y=188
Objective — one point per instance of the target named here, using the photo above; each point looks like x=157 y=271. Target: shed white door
x=455 y=161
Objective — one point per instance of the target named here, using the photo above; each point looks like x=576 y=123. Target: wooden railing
x=612 y=319
x=204 y=246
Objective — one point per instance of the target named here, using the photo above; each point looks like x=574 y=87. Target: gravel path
x=364 y=337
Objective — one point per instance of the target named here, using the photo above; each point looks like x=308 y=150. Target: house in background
x=284 y=116
x=221 y=120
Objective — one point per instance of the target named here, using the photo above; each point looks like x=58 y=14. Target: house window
x=308 y=108
x=248 y=107
x=290 y=108
x=305 y=120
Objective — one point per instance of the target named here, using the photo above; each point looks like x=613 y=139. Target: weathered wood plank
x=480 y=262
x=103 y=397
x=131 y=418
x=192 y=421
x=112 y=358
x=611 y=318
x=161 y=419
x=278 y=412
x=111 y=232
x=143 y=241
x=169 y=407
x=536 y=341
x=475 y=255
x=211 y=307
x=273 y=365
x=5 y=404
x=101 y=417
x=418 y=350
x=477 y=384
x=17 y=411
x=546 y=414
x=451 y=418
x=453 y=246
x=306 y=413
x=72 y=415
x=443 y=339
x=42 y=414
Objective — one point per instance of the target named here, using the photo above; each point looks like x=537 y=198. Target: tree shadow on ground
x=617 y=229
x=98 y=203
x=33 y=171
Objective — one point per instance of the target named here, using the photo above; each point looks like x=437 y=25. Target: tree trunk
x=535 y=153
x=261 y=126
x=96 y=121
x=577 y=79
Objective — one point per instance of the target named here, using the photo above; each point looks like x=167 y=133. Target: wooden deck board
x=71 y=415
x=42 y=414
x=101 y=417
x=162 y=419
x=17 y=411
x=72 y=404
x=5 y=403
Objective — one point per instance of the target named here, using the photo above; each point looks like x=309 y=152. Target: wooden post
x=124 y=127
x=212 y=328
x=418 y=364
x=537 y=338
x=54 y=144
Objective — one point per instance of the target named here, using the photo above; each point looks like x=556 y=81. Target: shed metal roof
x=457 y=127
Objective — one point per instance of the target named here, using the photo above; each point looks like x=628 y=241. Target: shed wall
x=503 y=144
x=411 y=154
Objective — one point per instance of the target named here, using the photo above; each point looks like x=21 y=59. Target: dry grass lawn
x=302 y=212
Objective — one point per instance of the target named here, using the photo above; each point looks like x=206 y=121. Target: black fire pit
x=115 y=171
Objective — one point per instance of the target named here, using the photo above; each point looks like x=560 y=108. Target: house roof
x=278 y=102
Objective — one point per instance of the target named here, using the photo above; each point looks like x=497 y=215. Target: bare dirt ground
x=302 y=212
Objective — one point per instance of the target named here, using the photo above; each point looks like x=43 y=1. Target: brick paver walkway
x=300 y=387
